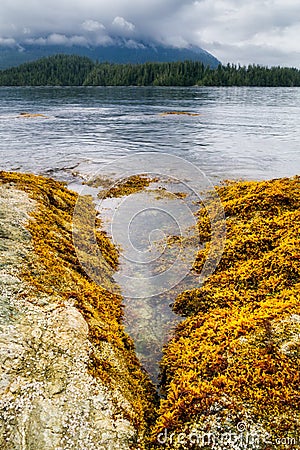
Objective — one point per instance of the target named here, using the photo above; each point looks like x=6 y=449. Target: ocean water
x=110 y=133
x=239 y=133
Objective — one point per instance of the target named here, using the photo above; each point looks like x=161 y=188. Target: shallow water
x=251 y=133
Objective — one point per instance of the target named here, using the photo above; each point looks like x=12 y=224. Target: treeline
x=65 y=70
x=57 y=70
x=190 y=73
x=186 y=73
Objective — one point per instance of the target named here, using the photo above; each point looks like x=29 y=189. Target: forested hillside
x=57 y=70
x=190 y=73
x=65 y=70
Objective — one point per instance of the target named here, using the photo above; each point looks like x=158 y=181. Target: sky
x=237 y=31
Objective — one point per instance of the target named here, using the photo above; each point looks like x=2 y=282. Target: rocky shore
x=70 y=378
x=231 y=373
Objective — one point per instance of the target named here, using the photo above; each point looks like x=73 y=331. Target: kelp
x=55 y=271
x=235 y=358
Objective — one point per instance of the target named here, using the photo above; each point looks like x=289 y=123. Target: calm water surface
x=250 y=133
x=241 y=132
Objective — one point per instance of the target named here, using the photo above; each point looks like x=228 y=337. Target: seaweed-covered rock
x=70 y=378
x=69 y=375
x=231 y=373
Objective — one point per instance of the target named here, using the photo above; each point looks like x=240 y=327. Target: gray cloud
x=121 y=24
x=7 y=42
x=92 y=25
x=260 y=31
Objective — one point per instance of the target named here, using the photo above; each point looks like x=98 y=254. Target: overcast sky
x=240 y=31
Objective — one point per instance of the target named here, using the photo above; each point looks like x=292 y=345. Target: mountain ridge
x=137 y=53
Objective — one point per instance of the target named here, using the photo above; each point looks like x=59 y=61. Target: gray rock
x=48 y=399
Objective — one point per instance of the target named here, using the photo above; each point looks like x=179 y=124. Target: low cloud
x=121 y=24
x=92 y=25
x=7 y=42
x=130 y=43
x=260 y=31
x=58 y=39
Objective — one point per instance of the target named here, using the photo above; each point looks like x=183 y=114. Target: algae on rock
x=233 y=366
x=69 y=378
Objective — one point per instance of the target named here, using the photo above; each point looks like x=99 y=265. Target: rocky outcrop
x=231 y=373
x=70 y=378
x=62 y=385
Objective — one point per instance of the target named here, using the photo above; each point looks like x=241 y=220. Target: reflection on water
x=240 y=132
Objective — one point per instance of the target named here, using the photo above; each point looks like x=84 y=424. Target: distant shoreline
x=72 y=70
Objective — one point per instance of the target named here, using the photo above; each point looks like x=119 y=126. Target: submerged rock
x=28 y=115
x=179 y=113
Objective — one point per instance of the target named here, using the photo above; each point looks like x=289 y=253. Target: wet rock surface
x=70 y=378
x=48 y=398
